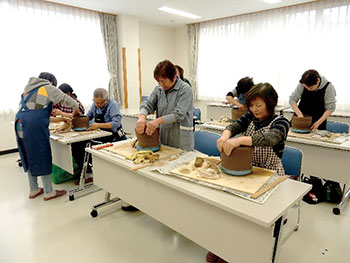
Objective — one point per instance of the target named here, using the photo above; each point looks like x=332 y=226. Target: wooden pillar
x=125 y=78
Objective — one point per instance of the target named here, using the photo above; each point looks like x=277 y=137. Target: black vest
x=312 y=104
x=119 y=135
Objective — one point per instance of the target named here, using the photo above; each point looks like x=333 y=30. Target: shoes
x=211 y=257
x=58 y=194
x=87 y=180
x=37 y=194
x=129 y=208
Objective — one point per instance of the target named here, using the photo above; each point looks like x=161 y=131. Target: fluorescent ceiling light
x=272 y=1
x=177 y=12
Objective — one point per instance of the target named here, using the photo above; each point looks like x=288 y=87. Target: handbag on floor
x=60 y=175
x=333 y=191
x=317 y=193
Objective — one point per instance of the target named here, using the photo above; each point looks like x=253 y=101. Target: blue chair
x=143 y=98
x=197 y=114
x=291 y=161
x=205 y=142
x=196 y=117
x=338 y=127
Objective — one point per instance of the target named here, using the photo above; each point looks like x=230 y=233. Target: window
x=38 y=36
x=276 y=46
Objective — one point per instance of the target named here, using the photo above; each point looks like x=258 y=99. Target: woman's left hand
x=229 y=145
x=315 y=126
x=151 y=127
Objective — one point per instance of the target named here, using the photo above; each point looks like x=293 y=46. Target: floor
x=59 y=230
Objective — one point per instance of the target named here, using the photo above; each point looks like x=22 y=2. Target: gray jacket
x=54 y=94
x=176 y=109
x=329 y=97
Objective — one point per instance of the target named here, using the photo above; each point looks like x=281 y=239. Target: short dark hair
x=49 y=76
x=310 y=77
x=266 y=92
x=244 y=85
x=165 y=69
x=181 y=71
x=64 y=87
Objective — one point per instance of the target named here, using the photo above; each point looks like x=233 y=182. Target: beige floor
x=34 y=231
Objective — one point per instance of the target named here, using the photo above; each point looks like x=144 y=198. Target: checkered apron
x=265 y=157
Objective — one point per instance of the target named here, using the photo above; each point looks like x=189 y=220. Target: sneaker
x=58 y=194
x=129 y=208
x=211 y=257
x=32 y=196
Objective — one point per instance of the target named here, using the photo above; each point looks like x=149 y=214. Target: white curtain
x=193 y=34
x=39 y=36
x=110 y=38
x=277 y=46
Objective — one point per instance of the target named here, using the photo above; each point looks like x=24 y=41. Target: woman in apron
x=32 y=132
x=316 y=97
x=262 y=129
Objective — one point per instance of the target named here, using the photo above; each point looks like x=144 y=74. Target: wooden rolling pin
x=102 y=146
x=270 y=186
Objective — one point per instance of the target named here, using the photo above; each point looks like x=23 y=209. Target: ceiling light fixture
x=272 y=1
x=178 y=12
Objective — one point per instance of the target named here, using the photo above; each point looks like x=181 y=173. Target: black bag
x=317 y=194
x=333 y=192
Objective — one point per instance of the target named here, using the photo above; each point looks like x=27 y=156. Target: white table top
x=345 y=146
x=134 y=113
x=79 y=136
x=225 y=105
x=336 y=113
x=287 y=193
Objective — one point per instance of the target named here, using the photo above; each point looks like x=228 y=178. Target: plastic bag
x=60 y=175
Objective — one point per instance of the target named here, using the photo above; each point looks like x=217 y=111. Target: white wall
x=156 y=44
x=8 y=139
x=128 y=38
x=181 y=49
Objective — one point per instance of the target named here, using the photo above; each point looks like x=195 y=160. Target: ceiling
x=147 y=10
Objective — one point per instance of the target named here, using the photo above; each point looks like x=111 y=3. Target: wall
x=156 y=44
x=8 y=139
x=181 y=49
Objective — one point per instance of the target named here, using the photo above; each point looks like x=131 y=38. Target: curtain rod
x=82 y=8
x=254 y=12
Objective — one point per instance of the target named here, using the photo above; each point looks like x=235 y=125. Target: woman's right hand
x=224 y=137
x=141 y=124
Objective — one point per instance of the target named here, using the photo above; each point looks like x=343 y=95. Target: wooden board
x=315 y=137
x=125 y=149
x=72 y=133
x=248 y=184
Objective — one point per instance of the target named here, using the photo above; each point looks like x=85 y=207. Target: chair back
x=291 y=161
x=338 y=127
x=197 y=113
x=205 y=142
x=143 y=98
